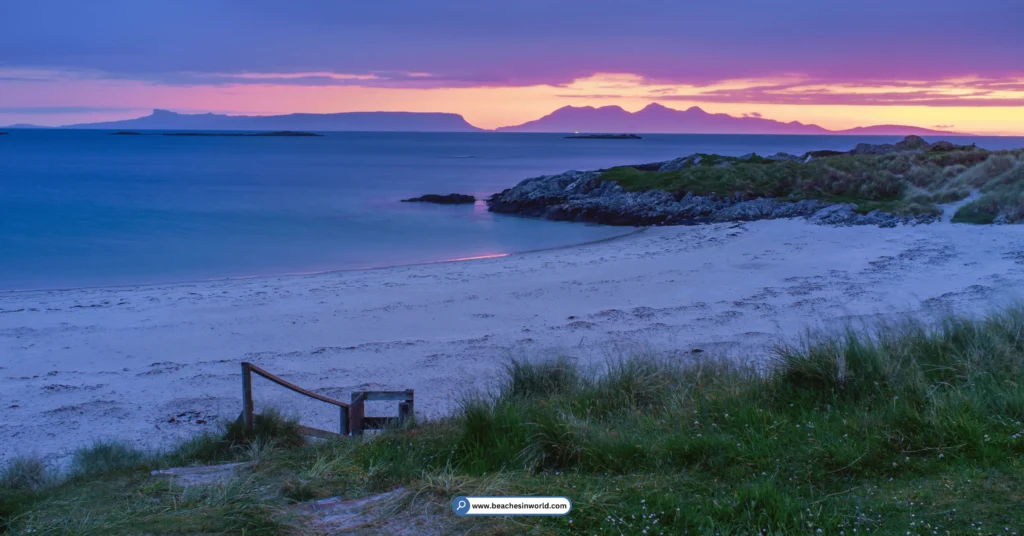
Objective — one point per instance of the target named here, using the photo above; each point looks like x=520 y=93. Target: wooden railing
x=352 y=417
x=357 y=410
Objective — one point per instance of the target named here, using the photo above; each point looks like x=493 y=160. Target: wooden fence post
x=343 y=428
x=247 y=406
x=406 y=408
x=357 y=412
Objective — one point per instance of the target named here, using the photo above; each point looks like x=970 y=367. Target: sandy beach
x=154 y=364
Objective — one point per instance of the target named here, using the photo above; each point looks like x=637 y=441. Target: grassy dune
x=902 y=182
x=906 y=428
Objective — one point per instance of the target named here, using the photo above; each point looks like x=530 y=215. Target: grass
x=899 y=183
x=886 y=429
x=107 y=488
x=105 y=458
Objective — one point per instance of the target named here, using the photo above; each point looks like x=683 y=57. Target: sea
x=84 y=208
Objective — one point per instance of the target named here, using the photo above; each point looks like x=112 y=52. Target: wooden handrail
x=292 y=386
x=352 y=417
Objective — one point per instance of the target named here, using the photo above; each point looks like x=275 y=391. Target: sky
x=936 y=64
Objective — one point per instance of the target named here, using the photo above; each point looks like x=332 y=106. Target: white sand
x=90 y=364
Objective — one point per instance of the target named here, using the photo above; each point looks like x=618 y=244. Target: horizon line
x=656 y=105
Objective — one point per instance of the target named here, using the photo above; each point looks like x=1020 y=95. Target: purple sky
x=473 y=44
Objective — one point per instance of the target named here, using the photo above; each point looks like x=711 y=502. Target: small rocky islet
x=277 y=134
x=603 y=137
x=449 y=199
x=873 y=184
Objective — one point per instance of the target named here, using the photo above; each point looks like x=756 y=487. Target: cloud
x=966 y=92
x=501 y=44
x=61 y=110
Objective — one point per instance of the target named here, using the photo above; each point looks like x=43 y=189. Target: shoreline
x=636 y=230
x=153 y=365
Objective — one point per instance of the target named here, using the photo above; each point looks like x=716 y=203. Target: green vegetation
x=900 y=182
x=907 y=427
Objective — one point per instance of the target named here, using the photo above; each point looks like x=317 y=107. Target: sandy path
x=100 y=363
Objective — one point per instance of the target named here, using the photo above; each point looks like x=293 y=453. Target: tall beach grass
x=901 y=427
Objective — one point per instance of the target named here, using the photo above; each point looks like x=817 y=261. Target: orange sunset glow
x=792 y=98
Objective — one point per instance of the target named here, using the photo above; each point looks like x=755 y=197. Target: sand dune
x=154 y=364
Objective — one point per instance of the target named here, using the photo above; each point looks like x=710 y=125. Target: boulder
x=781 y=157
x=912 y=143
x=943 y=147
x=681 y=163
x=820 y=154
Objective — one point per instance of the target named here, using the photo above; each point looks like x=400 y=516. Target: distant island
x=348 y=121
x=603 y=137
x=281 y=133
x=658 y=119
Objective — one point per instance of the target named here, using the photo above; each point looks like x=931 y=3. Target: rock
x=910 y=143
x=372 y=514
x=945 y=147
x=450 y=199
x=867 y=148
x=681 y=163
x=784 y=157
x=210 y=475
x=833 y=215
x=820 y=154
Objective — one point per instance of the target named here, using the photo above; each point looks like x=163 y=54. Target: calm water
x=84 y=208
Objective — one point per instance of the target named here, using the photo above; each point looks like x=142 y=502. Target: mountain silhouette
x=655 y=119
x=348 y=121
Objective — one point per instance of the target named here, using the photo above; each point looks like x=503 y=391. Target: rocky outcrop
x=910 y=143
x=450 y=199
x=581 y=196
